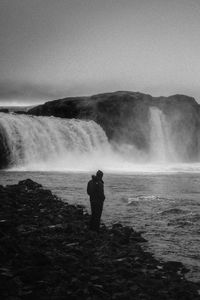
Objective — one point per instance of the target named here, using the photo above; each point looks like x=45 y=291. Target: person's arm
x=101 y=191
x=88 y=188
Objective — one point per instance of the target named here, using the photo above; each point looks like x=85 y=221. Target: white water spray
x=53 y=143
x=162 y=148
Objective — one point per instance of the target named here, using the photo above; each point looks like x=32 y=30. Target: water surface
x=165 y=207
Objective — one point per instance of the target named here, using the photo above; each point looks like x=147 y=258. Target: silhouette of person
x=95 y=190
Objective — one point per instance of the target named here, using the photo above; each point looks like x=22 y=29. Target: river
x=164 y=206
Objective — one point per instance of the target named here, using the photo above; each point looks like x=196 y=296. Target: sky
x=52 y=49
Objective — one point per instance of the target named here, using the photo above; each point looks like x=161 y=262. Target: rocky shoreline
x=47 y=252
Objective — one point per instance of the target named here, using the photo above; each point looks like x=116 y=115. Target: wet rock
x=4 y=110
x=29 y=184
x=47 y=252
x=173 y=266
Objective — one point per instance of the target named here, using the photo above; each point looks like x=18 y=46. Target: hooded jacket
x=95 y=189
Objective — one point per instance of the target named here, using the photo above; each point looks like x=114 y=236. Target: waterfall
x=49 y=142
x=32 y=143
x=161 y=144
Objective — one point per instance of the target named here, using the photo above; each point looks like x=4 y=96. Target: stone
x=43 y=259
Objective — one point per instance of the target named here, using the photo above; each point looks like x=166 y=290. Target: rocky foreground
x=47 y=252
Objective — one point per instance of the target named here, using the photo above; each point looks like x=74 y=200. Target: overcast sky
x=56 y=48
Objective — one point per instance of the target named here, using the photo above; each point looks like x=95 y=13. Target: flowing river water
x=164 y=206
x=155 y=189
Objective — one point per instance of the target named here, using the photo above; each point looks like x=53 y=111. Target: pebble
x=48 y=252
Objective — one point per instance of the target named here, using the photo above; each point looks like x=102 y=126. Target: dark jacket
x=95 y=189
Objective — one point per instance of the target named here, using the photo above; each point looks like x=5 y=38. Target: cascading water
x=161 y=144
x=56 y=144
x=52 y=143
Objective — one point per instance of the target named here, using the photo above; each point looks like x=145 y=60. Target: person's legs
x=93 y=213
x=96 y=208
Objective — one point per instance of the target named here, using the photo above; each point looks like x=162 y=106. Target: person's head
x=99 y=174
x=93 y=177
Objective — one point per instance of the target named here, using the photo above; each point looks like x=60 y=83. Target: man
x=95 y=190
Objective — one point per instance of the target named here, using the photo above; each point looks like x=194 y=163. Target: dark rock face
x=125 y=117
x=4 y=110
x=183 y=113
x=117 y=113
x=20 y=112
x=47 y=252
x=5 y=159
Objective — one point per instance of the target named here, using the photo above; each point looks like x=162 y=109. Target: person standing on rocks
x=95 y=190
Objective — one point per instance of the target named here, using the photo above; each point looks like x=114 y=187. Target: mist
x=56 y=144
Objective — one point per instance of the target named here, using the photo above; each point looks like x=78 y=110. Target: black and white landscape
x=107 y=85
x=122 y=131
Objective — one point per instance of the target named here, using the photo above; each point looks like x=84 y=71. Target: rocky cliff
x=140 y=128
x=126 y=117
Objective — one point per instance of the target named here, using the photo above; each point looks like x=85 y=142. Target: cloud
x=54 y=49
x=26 y=92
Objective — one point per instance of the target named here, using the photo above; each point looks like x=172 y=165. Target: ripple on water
x=139 y=198
x=157 y=204
x=173 y=211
